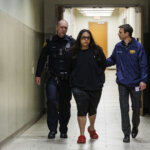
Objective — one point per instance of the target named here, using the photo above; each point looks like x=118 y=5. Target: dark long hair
x=92 y=46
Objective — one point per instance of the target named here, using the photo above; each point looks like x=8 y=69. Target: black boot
x=126 y=139
x=134 y=132
x=51 y=135
x=63 y=135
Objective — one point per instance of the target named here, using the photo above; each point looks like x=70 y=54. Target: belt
x=62 y=75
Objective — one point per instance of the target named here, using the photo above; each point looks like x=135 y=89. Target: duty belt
x=62 y=75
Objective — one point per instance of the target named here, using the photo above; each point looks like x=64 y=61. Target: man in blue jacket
x=132 y=74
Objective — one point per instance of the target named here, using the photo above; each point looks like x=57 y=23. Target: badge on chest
x=132 y=51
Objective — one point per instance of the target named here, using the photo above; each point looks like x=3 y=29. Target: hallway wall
x=133 y=17
x=21 y=39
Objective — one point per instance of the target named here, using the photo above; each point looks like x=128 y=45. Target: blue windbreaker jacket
x=131 y=63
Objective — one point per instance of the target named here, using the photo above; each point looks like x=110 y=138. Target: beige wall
x=132 y=17
x=69 y=16
x=29 y=12
x=21 y=30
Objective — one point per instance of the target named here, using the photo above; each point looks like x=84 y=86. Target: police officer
x=58 y=91
x=132 y=75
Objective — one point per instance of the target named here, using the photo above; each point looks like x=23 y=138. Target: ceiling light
x=96 y=11
x=97 y=14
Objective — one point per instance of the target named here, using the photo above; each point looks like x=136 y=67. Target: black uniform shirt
x=57 y=50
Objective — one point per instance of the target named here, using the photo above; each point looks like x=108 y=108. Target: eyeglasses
x=85 y=37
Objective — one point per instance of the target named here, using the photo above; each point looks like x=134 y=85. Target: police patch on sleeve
x=45 y=44
x=132 y=51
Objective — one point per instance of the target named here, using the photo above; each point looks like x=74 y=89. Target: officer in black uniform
x=58 y=90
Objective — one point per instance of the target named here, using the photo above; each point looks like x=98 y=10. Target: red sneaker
x=81 y=139
x=93 y=134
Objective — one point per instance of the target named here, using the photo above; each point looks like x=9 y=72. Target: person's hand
x=38 y=80
x=142 y=86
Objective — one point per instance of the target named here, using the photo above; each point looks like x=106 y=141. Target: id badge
x=137 y=88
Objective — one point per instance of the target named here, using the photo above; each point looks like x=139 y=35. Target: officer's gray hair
x=61 y=21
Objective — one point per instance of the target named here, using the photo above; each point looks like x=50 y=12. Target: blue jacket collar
x=132 y=43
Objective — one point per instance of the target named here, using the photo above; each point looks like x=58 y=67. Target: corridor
x=108 y=126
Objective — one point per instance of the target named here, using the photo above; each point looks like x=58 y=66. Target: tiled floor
x=108 y=125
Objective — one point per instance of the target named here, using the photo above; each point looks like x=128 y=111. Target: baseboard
x=20 y=131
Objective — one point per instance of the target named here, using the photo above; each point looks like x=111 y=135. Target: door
x=99 y=32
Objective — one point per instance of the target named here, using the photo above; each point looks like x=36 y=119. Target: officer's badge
x=45 y=44
x=67 y=47
x=132 y=51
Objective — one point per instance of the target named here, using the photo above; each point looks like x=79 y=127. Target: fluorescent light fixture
x=97 y=14
x=96 y=11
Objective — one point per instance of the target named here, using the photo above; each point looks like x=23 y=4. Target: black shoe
x=134 y=132
x=51 y=135
x=126 y=139
x=63 y=135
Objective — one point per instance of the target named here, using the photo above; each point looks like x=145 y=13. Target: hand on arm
x=111 y=60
